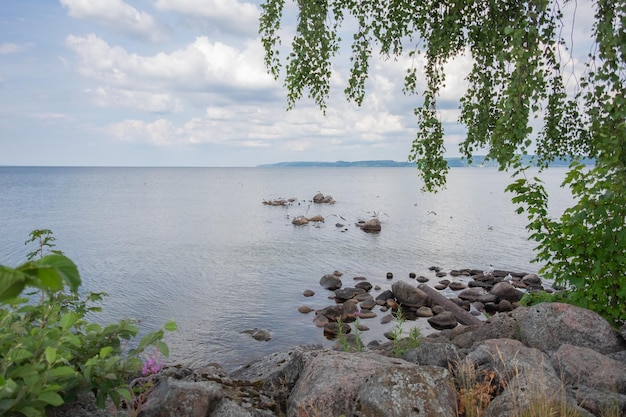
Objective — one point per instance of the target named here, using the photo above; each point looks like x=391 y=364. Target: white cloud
x=160 y=82
x=160 y=132
x=199 y=65
x=118 y=16
x=230 y=15
x=8 y=48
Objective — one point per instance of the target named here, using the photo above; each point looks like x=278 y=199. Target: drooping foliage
x=525 y=95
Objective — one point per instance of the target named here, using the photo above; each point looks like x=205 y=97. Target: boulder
x=316 y=218
x=277 y=373
x=172 y=397
x=300 y=221
x=408 y=295
x=370 y=226
x=331 y=381
x=318 y=198
x=445 y=355
x=330 y=282
x=472 y=294
x=523 y=374
x=548 y=326
x=364 y=285
x=348 y=293
x=585 y=366
x=506 y=291
x=403 y=390
x=445 y=320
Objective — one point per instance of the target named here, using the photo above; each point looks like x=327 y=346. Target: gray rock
x=347 y=293
x=445 y=320
x=599 y=402
x=404 y=391
x=506 y=291
x=330 y=382
x=525 y=375
x=547 y=326
x=173 y=397
x=408 y=295
x=277 y=373
x=330 y=282
x=584 y=366
x=434 y=353
x=472 y=294
x=364 y=285
x=370 y=226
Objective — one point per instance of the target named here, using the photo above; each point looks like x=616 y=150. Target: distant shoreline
x=453 y=162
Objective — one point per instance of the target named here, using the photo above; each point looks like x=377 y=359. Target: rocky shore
x=551 y=353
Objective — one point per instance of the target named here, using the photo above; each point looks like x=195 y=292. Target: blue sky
x=182 y=83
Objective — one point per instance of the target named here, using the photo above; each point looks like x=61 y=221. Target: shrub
x=49 y=351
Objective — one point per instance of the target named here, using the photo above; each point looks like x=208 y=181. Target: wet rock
x=364 y=285
x=300 y=221
x=457 y=286
x=262 y=335
x=348 y=293
x=444 y=320
x=304 y=309
x=505 y=291
x=370 y=226
x=424 y=312
x=318 y=198
x=308 y=293
x=317 y=218
x=367 y=314
x=368 y=304
x=408 y=295
x=330 y=282
x=384 y=296
x=472 y=294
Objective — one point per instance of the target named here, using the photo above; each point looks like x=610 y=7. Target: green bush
x=49 y=351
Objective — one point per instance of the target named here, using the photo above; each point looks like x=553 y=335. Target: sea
x=198 y=246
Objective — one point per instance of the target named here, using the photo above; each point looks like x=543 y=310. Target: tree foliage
x=520 y=78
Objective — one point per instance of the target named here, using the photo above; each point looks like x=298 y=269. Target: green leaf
x=51 y=354
x=18 y=355
x=163 y=348
x=51 y=398
x=68 y=320
x=12 y=283
x=62 y=372
x=64 y=267
x=170 y=326
x=29 y=411
x=105 y=351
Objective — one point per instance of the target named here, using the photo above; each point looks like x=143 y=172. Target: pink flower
x=151 y=366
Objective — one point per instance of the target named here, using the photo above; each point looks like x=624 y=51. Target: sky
x=183 y=83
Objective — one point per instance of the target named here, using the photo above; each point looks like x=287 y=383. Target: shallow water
x=198 y=246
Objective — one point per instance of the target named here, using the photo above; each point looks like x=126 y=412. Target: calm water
x=198 y=246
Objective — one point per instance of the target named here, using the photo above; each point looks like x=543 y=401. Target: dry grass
x=477 y=388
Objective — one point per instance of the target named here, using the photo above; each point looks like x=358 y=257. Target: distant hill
x=339 y=164
x=453 y=162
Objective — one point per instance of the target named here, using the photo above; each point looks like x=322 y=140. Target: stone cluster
x=548 y=353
